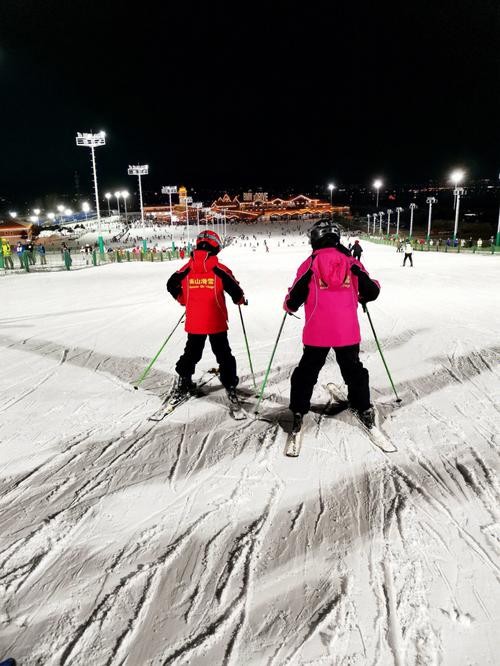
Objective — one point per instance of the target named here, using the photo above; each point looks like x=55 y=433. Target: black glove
x=356 y=269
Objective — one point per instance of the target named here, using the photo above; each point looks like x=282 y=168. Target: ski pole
x=269 y=366
x=248 y=348
x=143 y=376
x=398 y=399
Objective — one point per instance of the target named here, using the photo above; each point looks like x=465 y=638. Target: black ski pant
x=408 y=255
x=193 y=352
x=305 y=376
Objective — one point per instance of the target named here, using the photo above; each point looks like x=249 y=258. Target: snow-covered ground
x=194 y=540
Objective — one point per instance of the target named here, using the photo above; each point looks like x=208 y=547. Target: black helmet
x=323 y=234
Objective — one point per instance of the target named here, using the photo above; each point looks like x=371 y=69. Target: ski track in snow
x=193 y=540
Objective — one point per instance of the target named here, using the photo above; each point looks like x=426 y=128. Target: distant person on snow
x=356 y=250
x=200 y=285
x=330 y=284
x=408 y=253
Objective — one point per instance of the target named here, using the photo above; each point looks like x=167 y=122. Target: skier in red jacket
x=200 y=285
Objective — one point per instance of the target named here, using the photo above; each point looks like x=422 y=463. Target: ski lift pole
x=143 y=376
x=248 y=348
x=269 y=366
x=365 y=309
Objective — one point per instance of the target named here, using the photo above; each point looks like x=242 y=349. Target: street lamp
x=85 y=208
x=412 y=208
x=188 y=200
x=93 y=141
x=61 y=211
x=456 y=177
x=380 y=217
x=377 y=184
x=125 y=195
x=169 y=189
x=399 y=210
x=198 y=205
x=108 y=196
x=118 y=195
x=430 y=201
x=389 y=213
x=139 y=170
x=331 y=187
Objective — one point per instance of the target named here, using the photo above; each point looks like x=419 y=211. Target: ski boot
x=237 y=412
x=368 y=417
x=297 y=422
x=183 y=389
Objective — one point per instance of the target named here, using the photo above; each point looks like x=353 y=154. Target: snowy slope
x=194 y=540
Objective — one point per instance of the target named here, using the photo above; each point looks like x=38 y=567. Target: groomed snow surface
x=194 y=540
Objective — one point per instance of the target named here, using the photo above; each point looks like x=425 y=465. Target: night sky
x=247 y=94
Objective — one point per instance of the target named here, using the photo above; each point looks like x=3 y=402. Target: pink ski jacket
x=331 y=293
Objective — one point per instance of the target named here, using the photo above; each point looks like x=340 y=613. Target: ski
x=170 y=405
x=237 y=413
x=293 y=444
x=375 y=434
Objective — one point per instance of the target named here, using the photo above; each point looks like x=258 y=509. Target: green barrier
x=128 y=255
x=26 y=262
x=2 y=262
x=67 y=260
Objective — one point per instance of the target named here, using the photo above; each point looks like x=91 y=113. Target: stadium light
x=399 y=210
x=412 y=208
x=118 y=195
x=389 y=213
x=108 y=196
x=456 y=177
x=377 y=184
x=139 y=170
x=125 y=195
x=331 y=187
x=92 y=141
x=85 y=208
x=430 y=201
x=169 y=189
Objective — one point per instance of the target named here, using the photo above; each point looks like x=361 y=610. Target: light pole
x=198 y=205
x=389 y=213
x=51 y=216
x=377 y=184
x=108 y=196
x=85 y=208
x=368 y=222
x=60 y=208
x=430 y=201
x=412 y=208
x=456 y=177
x=139 y=170
x=375 y=218
x=118 y=195
x=188 y=200
x=331 y=187
x=93 y=141
x=125 y=195
x=399 y=210
x=170 y=189
x=380 y=217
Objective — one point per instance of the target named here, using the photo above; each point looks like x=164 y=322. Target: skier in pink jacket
x=330 y=284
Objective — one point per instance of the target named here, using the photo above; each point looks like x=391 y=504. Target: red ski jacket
x=200 y=286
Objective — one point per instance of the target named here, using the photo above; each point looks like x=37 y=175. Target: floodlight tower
x=430 y=201
x=93 y=141
x=456 y=177
x=412 y=208
x=197 y=205
x=118 y=195
x=188 y=200
x=108 y=196
x=331 y=187
x=139 y=170
x=389 y=213
x=85 y=208
x=399 y=210
x=377 y=184
x=125 y=196
x=380 y=219
x=170 y=189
